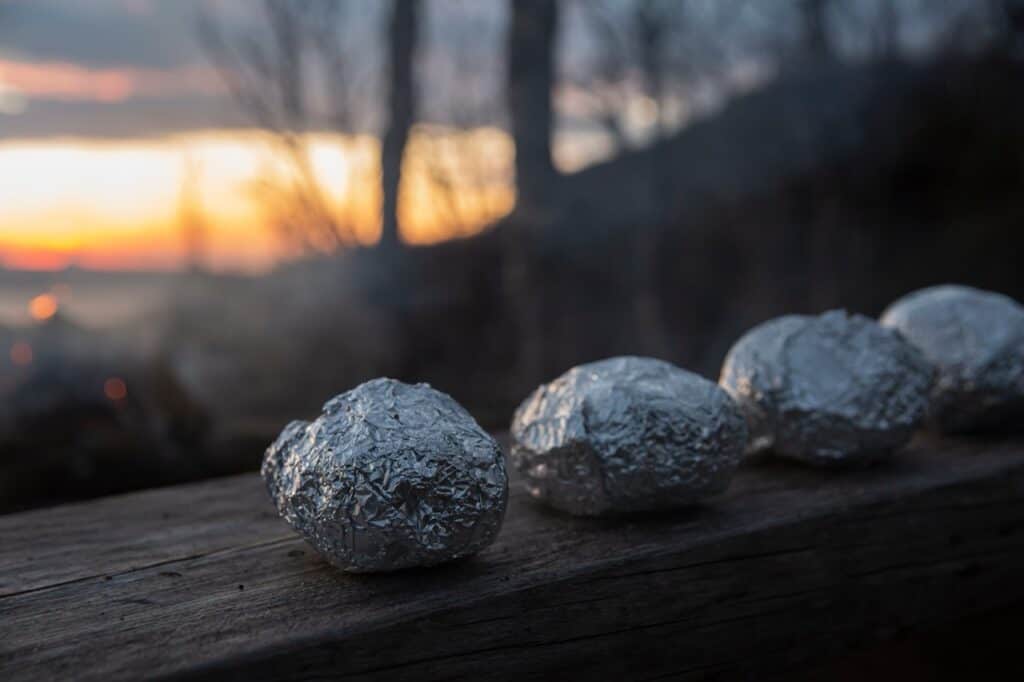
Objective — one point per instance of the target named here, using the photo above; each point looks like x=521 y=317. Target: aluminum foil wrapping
x=389 y=476
x=626 y=434
x=975 y=340
x=832 y=389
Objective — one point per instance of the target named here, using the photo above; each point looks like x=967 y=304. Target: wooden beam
x=203 y=581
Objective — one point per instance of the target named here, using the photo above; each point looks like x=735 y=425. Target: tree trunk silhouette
x=651 y=336
x=815 y=34
x=190 y=216
x=531 y=66
x=888 y=30
x=401 y=106
x=1013 y=33
x=532 y=29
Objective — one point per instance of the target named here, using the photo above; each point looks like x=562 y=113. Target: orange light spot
x=21 y=353
x=115 y=389
x=42 y=307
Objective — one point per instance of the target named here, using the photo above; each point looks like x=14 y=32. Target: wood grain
x=202 y=581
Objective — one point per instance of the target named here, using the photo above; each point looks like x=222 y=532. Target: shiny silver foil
x=975 y=340
x=626 y=434
x=389 y=476
x=832 y=389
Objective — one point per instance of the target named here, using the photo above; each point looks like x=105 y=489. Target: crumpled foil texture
x=627 y=434
x=833 y=389
x=975 y=340
x=389 y=476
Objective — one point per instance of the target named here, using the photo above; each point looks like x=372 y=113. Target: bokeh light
x=115 y=389
x=21 y=353
x=43 y=307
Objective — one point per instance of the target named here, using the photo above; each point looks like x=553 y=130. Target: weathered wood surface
x=203 y=581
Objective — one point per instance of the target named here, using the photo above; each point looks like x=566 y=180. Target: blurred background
x=214 y=215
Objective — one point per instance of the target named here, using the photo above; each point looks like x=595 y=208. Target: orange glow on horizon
x=118 y=204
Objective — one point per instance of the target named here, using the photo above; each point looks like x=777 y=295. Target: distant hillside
x=824 y=117
x=839 y=186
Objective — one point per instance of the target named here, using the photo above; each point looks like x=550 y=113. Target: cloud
x=136 y=117
x=106 y=68
x=11 y=100
x=68 y=81
x=101 y=33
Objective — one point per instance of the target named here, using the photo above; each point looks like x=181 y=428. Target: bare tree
x=604 y=83
x=267 y=80
x=457 y=155
x=530 y=74
x=1012 y=12
x=816 y=42
x=533 y=28
x=654 y=52
x=652 y=22
x=867 y=30
x=648 y=49
x=298 y=69
x=889 y=28
x=402 y=34
x=190 y=216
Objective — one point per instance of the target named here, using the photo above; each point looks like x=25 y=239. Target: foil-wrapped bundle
x=389 y=476
x=827 y=390
x=975 y=340
x=626 y=434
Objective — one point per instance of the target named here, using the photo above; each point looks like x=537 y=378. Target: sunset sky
x=118 y=203
x=110 y=113
x=113 y=119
